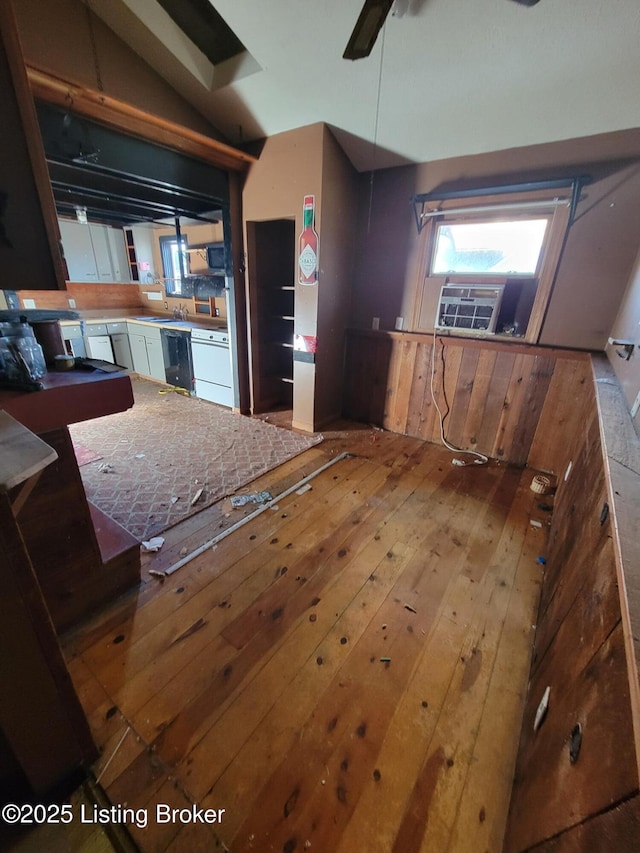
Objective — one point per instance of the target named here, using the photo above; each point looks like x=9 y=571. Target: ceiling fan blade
x=372 y=17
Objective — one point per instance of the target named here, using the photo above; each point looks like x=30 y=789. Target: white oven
x=212 y=365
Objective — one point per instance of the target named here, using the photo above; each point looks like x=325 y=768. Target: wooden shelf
x=205 y=306
x=22 y=453
x=131 y=255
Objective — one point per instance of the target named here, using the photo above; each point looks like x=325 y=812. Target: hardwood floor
x=343 y=673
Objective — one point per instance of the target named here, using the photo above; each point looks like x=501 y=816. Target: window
x=488 y=264
x=482 y=248
x=174 y=267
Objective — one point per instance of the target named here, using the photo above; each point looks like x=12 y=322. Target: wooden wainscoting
x=586 y=647
x=508 y=401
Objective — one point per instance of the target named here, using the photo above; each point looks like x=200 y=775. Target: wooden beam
x=10 y=39
x=128 y=119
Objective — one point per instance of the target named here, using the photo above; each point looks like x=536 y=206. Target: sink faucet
x=181 y=312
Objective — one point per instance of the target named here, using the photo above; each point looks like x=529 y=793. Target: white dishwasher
x=212 y=365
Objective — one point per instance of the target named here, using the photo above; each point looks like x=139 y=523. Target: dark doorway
x=271 y=268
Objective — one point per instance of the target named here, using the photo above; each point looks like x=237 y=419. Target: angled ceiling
x=446 y=78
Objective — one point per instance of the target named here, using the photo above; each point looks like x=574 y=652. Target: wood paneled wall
x=580 y=655
x=89 y=296
x=508 y=401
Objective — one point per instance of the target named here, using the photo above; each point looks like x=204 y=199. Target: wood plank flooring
x=343 y=673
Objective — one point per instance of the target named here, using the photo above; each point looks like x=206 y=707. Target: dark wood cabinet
x=82 y=559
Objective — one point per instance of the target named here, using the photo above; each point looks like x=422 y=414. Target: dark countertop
x=67 y=398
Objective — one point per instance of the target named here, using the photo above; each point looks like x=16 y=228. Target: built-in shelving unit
x=205 y=306
x=272 y=299
x=131 y=255
x=282 y=320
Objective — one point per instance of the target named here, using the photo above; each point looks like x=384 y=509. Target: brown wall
x=56 y=37
x=337 y=241
x=290 y=167
x=294 y=164
x=599 y=253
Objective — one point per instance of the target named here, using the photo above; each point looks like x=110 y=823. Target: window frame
x=555 y=206
x=170 y=245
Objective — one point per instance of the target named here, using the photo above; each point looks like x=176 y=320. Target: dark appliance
x=176 y=351
x=216 y=257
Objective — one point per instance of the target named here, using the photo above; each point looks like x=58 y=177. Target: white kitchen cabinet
x=118 y=251
x=94 y=252
x=101 y=252
x=99 y=346
x=146 y=350
x=73 y=339
x=78 y=251
x=156 y=359
x=139 y=356
x=122 y=350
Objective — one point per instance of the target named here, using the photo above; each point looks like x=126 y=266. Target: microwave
x=216 y=256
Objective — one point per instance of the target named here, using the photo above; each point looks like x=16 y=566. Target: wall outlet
x=72 y=303
x=29 y=303
x=399 y=323
x=375 y=324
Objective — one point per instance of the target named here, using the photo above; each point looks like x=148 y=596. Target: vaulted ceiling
x=445 y=78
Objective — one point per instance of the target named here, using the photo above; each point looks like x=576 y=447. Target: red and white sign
x=308 y=245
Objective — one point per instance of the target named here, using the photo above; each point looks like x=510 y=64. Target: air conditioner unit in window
x=471 y=308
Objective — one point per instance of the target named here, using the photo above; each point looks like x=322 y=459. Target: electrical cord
x=480 y=459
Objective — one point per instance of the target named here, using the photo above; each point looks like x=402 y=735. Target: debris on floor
x=153 y=544
x=197 y=496
x=105 y=468
x=543 y=707
x=256 y=498
x=306 y=488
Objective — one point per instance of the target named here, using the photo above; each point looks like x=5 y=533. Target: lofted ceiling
x=446 y=78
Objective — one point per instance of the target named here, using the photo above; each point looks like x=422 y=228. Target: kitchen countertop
x=156 y=321
x=67 y=398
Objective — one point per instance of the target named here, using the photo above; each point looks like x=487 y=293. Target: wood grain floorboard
x=344 y=673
